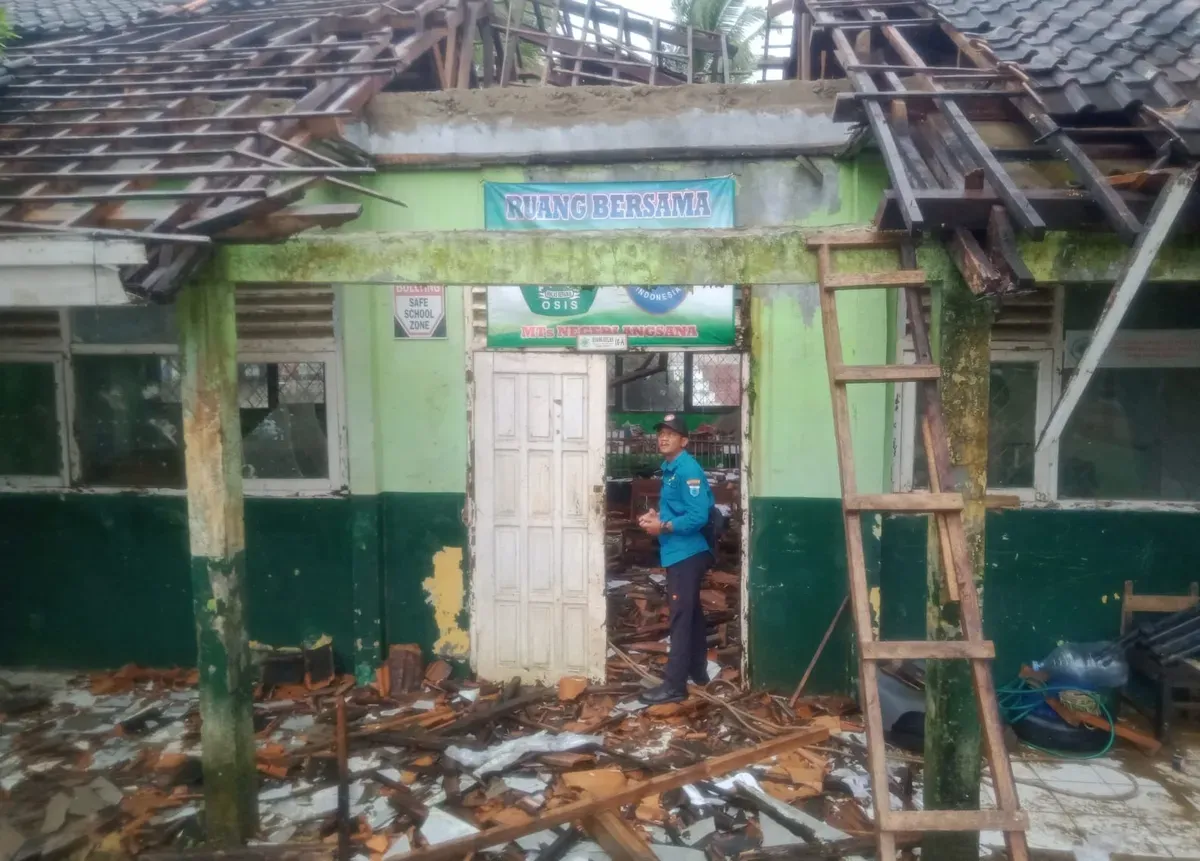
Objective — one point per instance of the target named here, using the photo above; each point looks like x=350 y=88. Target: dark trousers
x=689 y=647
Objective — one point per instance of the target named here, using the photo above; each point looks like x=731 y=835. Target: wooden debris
x=598 y=783
x=404 y=668
x=714 y=767
x=1148 y=743
x=617 y=837
x=438 y=672
x=570 y=688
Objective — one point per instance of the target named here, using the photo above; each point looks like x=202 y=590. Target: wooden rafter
x=922 y=87
x=217 y=118
x=592 y=42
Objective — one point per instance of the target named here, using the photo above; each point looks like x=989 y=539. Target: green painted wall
x=1053 y=576
x=100 y=580
x=797 y=545
x=797 y=583
x=407 y=400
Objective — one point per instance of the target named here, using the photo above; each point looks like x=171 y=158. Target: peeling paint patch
x=445 y=592
x=874 y=598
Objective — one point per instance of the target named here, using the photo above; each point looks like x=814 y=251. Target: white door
x=539 y=605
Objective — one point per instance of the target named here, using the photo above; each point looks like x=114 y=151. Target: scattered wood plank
x=617 y=837
x=282 y=852
x=864 y=846
x=582 y=810
x=1147 y=743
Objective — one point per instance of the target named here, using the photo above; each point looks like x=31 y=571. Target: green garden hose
x=1015 y=706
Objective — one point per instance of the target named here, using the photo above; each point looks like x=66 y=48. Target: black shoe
x=662 y=694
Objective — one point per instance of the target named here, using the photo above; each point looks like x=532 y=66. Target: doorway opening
x=707 y=390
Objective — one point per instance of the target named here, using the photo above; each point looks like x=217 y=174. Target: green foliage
x=6 y=31
x=742 y=25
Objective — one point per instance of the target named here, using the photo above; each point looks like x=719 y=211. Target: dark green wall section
x=1051 y=575
x=797 y=582
x=94 y=581
x=89 y=581
x=416 y=526
x=298 y=572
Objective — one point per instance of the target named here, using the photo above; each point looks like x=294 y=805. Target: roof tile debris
x=41 y=19
x=1099 y=56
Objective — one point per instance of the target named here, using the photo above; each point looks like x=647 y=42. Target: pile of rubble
x=112 y=762
x=638 y=623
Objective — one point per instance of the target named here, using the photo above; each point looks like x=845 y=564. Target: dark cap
x=673 y=422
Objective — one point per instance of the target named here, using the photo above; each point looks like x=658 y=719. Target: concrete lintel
x=61 y=286
x=73 y=251
x=739 y=256
x=747 y=256
x=600 y=124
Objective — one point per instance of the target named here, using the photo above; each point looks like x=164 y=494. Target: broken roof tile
x=1092 y=55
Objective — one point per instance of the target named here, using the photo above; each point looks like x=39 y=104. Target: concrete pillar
x=961 y=336
x=217 y=536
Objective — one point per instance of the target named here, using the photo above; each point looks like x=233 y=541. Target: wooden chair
x=1155 y=603
x=1164 y=680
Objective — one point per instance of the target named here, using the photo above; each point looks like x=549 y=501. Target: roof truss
x=926 y=91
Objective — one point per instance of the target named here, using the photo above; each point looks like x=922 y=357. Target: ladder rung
x=859 y=239
x=917 y=503
x=875 y=280
x=954 y=820
x=934 y=650
x=886 y=373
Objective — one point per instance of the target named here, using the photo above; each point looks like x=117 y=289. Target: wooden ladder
x=945 y=504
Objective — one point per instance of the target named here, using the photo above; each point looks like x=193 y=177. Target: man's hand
x=650 y=522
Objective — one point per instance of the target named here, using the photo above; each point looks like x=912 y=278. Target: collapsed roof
x=212 y=119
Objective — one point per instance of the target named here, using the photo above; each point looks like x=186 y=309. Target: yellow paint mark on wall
x=446 y=593
x=1103 y=599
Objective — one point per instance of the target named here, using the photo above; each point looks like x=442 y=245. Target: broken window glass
x=29 y=420
x=1012 y=425
x=130 y=420
x=1133 y=436
x=659 y=392
x=1133 y=433
x=284 y=420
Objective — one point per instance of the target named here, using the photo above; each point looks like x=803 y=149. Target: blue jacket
x=685 y=502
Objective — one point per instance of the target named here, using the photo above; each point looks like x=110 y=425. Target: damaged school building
x=307 y=338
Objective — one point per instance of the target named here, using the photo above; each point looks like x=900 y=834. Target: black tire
x=1053 y=733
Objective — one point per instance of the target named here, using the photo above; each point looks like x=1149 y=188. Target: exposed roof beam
x=1163 y=219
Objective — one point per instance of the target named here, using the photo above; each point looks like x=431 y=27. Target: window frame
x=44 y=482
x=335 y=431
x=1045 y=478
x=688 y=384
x=61 y=353
x=1049 y=353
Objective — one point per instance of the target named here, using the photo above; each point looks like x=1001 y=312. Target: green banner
x=669 y=315
x=557 y=316
x=609 y=205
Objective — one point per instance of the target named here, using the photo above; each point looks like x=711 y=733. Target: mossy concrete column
x=217 y=537
x=961 y=334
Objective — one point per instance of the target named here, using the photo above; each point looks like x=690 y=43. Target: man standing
x=683 y=512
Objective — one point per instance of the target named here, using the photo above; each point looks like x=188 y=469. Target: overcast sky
x=661 y=8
